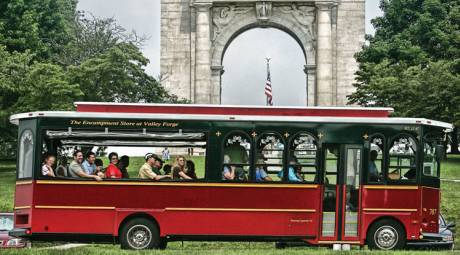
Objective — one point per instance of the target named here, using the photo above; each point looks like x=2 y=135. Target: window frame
x=250 y=156
x=416 y=159
x=256 y=147
x=317 y=158
x=20 y=155
x=383 y=168
x=55 y=145
x=426 y=139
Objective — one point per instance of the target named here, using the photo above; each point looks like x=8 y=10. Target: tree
x=92 y=36
x=28 y=86
x=39 y=26
x=413 y=61
x=116 y=75
x=51 y=55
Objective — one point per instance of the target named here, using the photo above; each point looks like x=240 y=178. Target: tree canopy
x=412 y=62
x=52 y=55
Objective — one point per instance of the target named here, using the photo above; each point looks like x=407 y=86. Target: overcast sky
x=244 y=61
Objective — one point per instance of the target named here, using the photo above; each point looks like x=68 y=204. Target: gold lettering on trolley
x=123 y=123
x=433 y=211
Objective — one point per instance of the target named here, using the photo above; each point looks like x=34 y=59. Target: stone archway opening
x=195 y=34
x=244 y=65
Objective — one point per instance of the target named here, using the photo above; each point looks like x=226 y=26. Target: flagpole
x=268 y=74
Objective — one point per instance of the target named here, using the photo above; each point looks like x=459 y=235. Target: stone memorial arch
x=196 y=33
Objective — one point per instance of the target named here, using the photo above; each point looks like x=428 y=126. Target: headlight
x=15 y=242
x=447 y=238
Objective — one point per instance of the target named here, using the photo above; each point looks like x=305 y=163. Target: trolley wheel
x=280 y=245
x=163 y=243
x=139 y=234
x=386 y=235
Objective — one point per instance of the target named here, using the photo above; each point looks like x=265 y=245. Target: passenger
x=61 y=170
x=47 y=168
x=292 y=171
x=167 y=169
x=372 y=169
x=88 y=164
x=394 y=175
x=298 y=173
x=99 y=167
x=190 y=166
x=229 y=171
x=76 y=168
x=123 y=166
x=261 y=173
x=150 y=169
x=178 y=169
x=112 y=170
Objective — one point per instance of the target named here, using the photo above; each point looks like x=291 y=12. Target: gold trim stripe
x=301 y=221
x=23 y=182
x=426 y=187
x=22 y=207
x=389 y=187
x=153 y=183
x=74 y=207
x=238 y=209
x=389 y=210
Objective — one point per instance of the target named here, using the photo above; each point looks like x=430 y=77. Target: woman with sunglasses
x=178 y=170
x=112 y=170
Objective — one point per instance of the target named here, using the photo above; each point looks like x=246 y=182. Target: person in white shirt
x=47 y=167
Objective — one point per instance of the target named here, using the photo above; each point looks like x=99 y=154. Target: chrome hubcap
x=386 y=237
x=139 y=237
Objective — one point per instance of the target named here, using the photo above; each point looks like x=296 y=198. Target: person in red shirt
x=112 y=170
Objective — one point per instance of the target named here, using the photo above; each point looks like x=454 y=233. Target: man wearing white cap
x=146 y=170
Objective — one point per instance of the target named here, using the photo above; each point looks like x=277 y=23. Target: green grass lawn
x=450 y=207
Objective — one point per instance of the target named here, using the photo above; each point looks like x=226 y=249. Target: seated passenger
x=190 y=167
x=228 y=173
x=123 y=166
x=47 y=167
x=88 y=164
x=150 y=169
x=394 y=175
x=76 y=168
x=178 y=169
x=261 y=173
x=298 y=173
x=61 y=170
x=167 y=169
x=112 y=170
x=293 y=175
x=99 y=167
x=373 y=171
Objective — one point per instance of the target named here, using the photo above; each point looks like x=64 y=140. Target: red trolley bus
x=321 y=175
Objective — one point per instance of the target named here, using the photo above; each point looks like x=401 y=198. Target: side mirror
x=450 y=225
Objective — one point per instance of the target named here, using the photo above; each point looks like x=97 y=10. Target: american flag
x=268 y=85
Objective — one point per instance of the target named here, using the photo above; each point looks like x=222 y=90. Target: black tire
x=139 y=234
x=163 y=243
x=386 y=234
x=280 y=245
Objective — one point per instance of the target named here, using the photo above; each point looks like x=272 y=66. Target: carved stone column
x=203 y=53
x=324 y=77
x=216 y=89
x=310 y=72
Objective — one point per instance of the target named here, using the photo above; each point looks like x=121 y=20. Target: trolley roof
x=232 y=113
x=234 y=110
